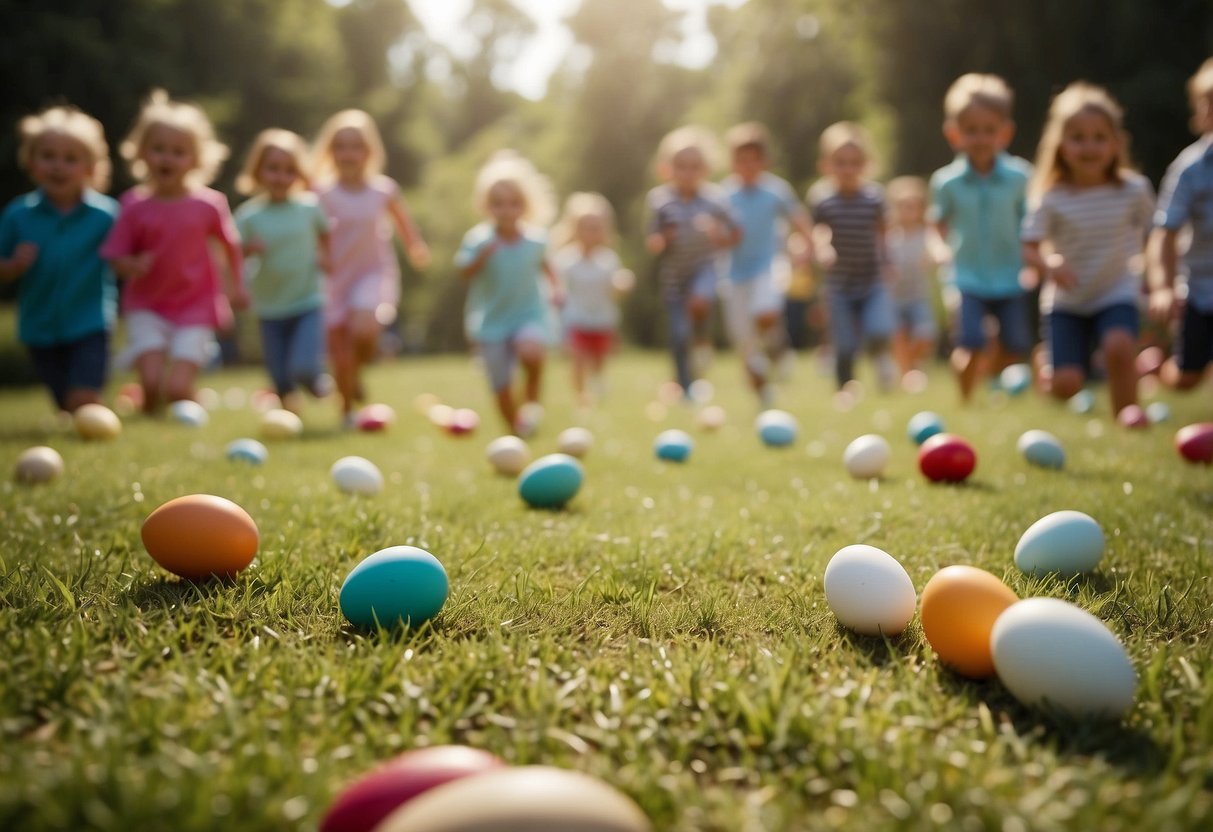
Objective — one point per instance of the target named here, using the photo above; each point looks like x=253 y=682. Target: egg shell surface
x=776 y=428
x=867 y=456
x=1081 y=402
x=200 y=535
x=374 y=418
x=673 y=445
x=357 y=475
x=923 y=425
x=96 y=421
x=1049 y=651
x=1016 y=378
x=575 y=442
x=869 y=591
x=1041 y=448
x=1195 y=442
x=190 y=413
x=958 y=609
x=1158 y=412
x=531 y=798
x=277 y=424
x=464 y=422
x=247 y=450
x=551 y=481
x=1065 y=542
x=394 y=585
x=38 y=464
x=508 y=455
x=712 y=417
x=946 y=458
x=1132 y=416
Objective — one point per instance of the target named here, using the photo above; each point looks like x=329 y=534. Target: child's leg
x=739 y=319
x=699 y=308
x=179 y=381
x=844 y=333
x=1117 y=328
x=877 y=323
x=88 y=364
x=150 y=366
x=345 y=373
x=581 y=362
x=1014 y=332
x=971 y=340
x=52 y=366
x=274 y=338
x=1069 y=344
x=923 y=332
x=680 y=340
x=498 y=359
x=1193 y=350
x=189 y=349
x=305 y=350
x=530 y=354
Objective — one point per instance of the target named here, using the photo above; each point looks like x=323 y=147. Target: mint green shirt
x=285 y=279
x=506 y=295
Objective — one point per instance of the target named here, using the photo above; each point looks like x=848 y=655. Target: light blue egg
x=247 y=450
x=1065 y=542
x=398 y=585
x=1158 y=412
x=776 y=428
x=550 y=481
x=1082 y=401
x=673 y=445
x=1042 y=448
x=1016 y=378
x=189 y=412
x=923 y=425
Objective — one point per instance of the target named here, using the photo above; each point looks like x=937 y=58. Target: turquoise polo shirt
x=69 y=291
x=764 y=210
x=983 y=214
x=506 y=295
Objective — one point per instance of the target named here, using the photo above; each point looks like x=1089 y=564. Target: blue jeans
x=1072 y=338
x=72 y=365
x=682 y=328
x=293 y=349
x=858 y=319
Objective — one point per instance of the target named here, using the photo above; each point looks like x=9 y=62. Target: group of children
x=322 y=276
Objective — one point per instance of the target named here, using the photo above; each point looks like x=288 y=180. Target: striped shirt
x=1101 y=233
x=855 y=222
x=1186 y=197
x=686 y=222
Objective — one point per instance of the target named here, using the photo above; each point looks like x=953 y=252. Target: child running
x=915 y=251
x=49 y=239
x=286 y=235
x=1093 y=214
x=175 y=298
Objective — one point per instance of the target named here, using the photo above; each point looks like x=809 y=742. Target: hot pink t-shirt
x=182 y=285
x=360 y=232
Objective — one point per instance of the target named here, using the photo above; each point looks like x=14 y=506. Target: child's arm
x=226 y=234
x=1163 y=260
x=477 y=263
x=1053 y=267
x=132 y=266
x=557 y=291
x=410 y=235
x=324 y=251
x=24 y=255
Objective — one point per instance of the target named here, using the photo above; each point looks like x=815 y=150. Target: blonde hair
x=507 y=167
x=292 y=144
x=975 y=89
x=688 y=137
x=323 y=166
x=1079 y=97
x=76 y=125
x=749 y=134
x=578 y=206
x=906 y=187
x=1200 y=95
x=842 y=133
x=161 y=111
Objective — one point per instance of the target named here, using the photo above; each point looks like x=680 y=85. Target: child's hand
x=1064 y=276
x=1029 y=278
x=254 y=245
x=136 y=266
x=557 y=297
x=826 y=255
x=656 y=242
x=238 y=297
x=1163 y=305
x=419 y=255
x=24 y=255
x=623 y=280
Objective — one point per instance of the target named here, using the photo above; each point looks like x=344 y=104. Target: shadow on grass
x=878 y=650
x=166 y=593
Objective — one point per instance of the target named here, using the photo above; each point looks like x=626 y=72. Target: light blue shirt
x=69 y=291
x=505 y=296
x=1186 y=197
x=764 y=210
x=983 y=215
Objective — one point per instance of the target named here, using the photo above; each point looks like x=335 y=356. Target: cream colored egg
x=96 y=421
x=39 y=464
x=508 y=455
x=575 y=442
x=280 y=424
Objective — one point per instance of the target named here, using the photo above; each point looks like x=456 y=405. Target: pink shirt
x=182 y=285
x=360 y=234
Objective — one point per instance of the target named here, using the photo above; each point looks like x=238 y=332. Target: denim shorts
x=1012 y=313
x=72 y=365
x=1194 y=346
x=916 y=317
x=1073 y=338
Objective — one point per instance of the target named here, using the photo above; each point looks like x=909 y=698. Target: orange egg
x=200 y=535
x=959 y=607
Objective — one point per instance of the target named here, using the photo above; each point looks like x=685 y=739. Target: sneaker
x=528 y=419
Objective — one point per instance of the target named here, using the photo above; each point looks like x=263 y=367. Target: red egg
x=1195 y=442
x=362 y=805
x=946 y=457
x=375 y=417
x=1132 y=416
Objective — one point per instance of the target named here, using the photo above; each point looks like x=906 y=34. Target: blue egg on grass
x=247 y=450
x=923 y=425
x=1158 y=412
x=1039 y=447
x=398 y=585
x=1066 y=542
x=1016 y=379
x=776 y=428
x=1081 y=402
x=550 y=481
x=673 y=445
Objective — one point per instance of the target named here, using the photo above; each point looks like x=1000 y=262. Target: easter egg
x=1158 y=412
x=356 y=475
x=189 y=413
x=531 y=798
x=208 y=397
x=1039 y=447
x=669 y=392
x=946 y=458
x=923 y=425
x=711 y=418
x=959 y=607
x=422 y=402
x=673 y=445
x=550 y=481
x=869 y=591
x=1132 y=416
x=374 y=418
x=1065 y=542
x=278 y=424
x=1195 y=442
x=402 y=584
x=263 y=401
x=247 y=450
x=1015 y=379
x=200 y=535
x=776 y=428
x=464 y=422
x=38 y=464
x=363 y=804
x=867 y=456
x=440 y=415
x=701 y=391
x=96 y=421
x=575 y=442
x=1050 y=652
x=1150 y=360
x=508 y=455
x=1081 y=402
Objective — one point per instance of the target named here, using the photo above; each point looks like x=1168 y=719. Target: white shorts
x=747 y=300
x=148 y=332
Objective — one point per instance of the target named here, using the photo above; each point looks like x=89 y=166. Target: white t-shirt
x=590 y=294
x=910 y=258
x=1101 y=233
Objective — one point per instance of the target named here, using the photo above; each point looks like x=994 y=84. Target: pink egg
x=375 y=417
x=1150 y=360
x=946 y=457
x=1195 y=442
x=367 y=801
x=464 y=421
x=1132 y=416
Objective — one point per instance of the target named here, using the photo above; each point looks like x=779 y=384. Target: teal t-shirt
x=69 y=291
x=505 y=296
x=284 y=280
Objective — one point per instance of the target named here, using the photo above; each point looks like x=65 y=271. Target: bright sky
x=530 y=75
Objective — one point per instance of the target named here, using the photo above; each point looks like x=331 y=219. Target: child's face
x=910 y=211
x=749 y=163
x=277 y=172
x=1089 y=145
x=61 y=166
x=350 y=152
x=688 y=169
x=846 y=166
x=1204 y=113
x=506 y=204
x=980 y=133
x=591 y=230
x=169 y=155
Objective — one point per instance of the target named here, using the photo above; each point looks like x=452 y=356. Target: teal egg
x=1065 y=542
x=247 y=450
x=401 y=584
x=550 y=481
x=923 y=425
x=1082 y=401
x=776 y=428
x=1042 y=448
x=1016 y=378
x=673 y=445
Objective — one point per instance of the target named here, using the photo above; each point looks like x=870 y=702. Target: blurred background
x=585 y=88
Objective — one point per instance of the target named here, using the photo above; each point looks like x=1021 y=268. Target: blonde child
x=1091 y=214
x=852 y=209
x=175 y=298
x=504 y=259
x=978 y=203
x=915 y=251
x=1186 y=199
x=286 y=234
x=363 y=207
x=592 y=278
x=49 y=238
x=690 y=223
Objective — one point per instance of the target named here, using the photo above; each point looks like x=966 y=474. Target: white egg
x=867 y=456
x=1042 y=448
x=357 y=475
x=1050 y=652
x=1066 y=542
x=508 y=455
x=280 y=424
x=39 y=464
x=575 y=442
x=189 y=412
x=869 y=591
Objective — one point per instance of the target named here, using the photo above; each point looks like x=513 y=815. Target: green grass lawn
x=667 y=632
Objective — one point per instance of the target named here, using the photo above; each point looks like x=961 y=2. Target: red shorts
x=595 y=342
